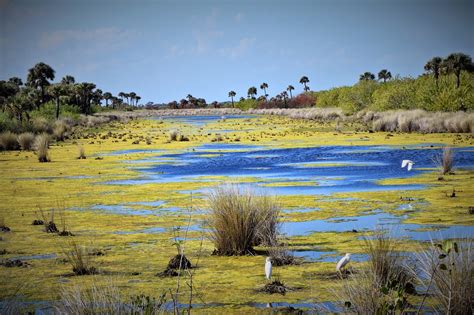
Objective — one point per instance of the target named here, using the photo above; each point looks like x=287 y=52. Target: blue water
x=355 y=169
x=200 y=121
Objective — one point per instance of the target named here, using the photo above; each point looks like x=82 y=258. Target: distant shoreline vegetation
x=446 y=86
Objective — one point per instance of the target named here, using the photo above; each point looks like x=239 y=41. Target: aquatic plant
x=240 y=220
x=42 y=147
x=447 y=272
x=8 y=141
x=26 y=140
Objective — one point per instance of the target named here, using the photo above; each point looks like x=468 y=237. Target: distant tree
x=289 y=89
x=231 y=95
x=68 y=79
x=133 y=96
x=85 y=94
x=23 y=102
x=16 y=80
x=183 y=103
x=384 y=75
x=7 y=91
x=304 y=80
x=284 y=95
x=434 y=66
x=367 y=76
x=137 y=99
x=38 y=78
x=107 y=96
x=457 y=62
x=251 y=92
x=122 y=95
x=264 y=87
x=241 y=99
x=56 y=91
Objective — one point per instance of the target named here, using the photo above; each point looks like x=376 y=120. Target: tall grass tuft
x=8 y=141
x=80 y=259
x=26 y=140
x=173 y=135
x=81 y=153
x=445 y=161
x=240 y=220
x=382 y=284
x=92 y=299
x=447 y=273
x=42 y=147
x=60 y=129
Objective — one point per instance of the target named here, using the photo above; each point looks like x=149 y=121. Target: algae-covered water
x=133 y=201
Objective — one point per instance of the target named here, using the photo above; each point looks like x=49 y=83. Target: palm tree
x=38 y=77
x=367 y=76
x=122 y=95
x=285 y=96
x=304 y=80
x=434 y=66
x=56 y=91
x=251 y=92
x=289 y=89
x=264 y=87
x=457 y=62
x=231 y=95
x=137 y=98
x=385 y=75
x=133 y=96
x=107 y=96
x=68 y=79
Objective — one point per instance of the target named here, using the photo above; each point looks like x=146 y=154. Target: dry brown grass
x=445 y=161
x=79 y=257
x=26 y=141
x=81 y=153
x=42 y=147
x=8 y=141
x=240 y=220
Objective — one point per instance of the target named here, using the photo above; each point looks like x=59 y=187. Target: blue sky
x=164 y=50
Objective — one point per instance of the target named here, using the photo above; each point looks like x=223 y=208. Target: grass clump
x=445 y=161
x=173 y=135
x=42 y=147
x=106 y=299
x=81 y=153
x=240 y=220
x=447 y=273
x=26 y=141
x=276 y=286
x=8 y=141
x=80 y=259
x=383 y=285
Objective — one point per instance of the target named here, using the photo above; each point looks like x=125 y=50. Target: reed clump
x=42 y=147
x=239 y=220
x=26 y=141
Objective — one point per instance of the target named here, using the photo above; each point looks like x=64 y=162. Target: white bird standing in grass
x=409 y=163
x=268 y=268
x=344 y=261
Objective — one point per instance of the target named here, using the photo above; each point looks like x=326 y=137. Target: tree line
x=18 y=99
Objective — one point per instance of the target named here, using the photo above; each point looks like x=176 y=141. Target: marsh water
x=318 y=170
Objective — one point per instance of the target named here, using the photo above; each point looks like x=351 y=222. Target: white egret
x=408 y=163
x=344 y=261
x=268 y=268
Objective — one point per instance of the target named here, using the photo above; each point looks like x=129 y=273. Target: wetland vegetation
x=111 y=206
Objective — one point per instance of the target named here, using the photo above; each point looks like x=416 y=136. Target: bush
x=8 y=141
x=80 y=259
x=26 y=140
x=447 y=272
x=42 y=147
x=240 y=220
x=59 y=130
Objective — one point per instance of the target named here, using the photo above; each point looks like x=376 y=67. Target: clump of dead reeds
x=445 y=161
x=42 y=147
x=8 y=141
x=26 y=140
x=239 y=220
x=78 y=256
x=81 y=153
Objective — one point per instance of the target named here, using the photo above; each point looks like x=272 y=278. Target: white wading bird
x=409 y=163
x=268 y=268
x=344 y=261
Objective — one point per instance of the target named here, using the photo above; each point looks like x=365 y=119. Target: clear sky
x=164 y=50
